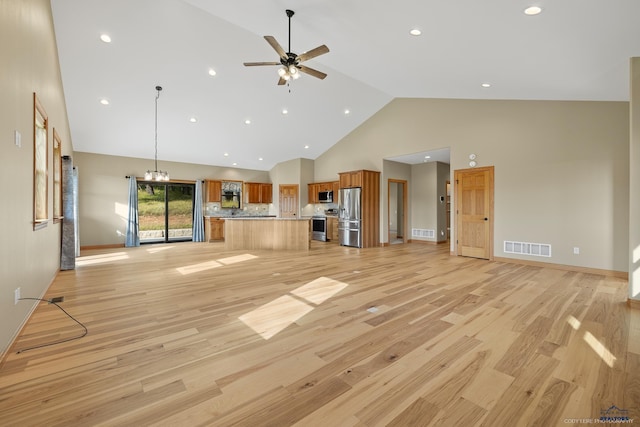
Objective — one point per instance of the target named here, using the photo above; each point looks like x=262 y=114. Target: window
x=40 y=154
x=57 y=177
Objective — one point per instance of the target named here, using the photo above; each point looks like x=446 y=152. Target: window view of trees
x=165 y=211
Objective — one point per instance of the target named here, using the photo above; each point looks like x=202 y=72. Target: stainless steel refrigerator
x=349 y=217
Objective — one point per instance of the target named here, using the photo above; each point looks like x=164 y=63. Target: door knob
x=486 y=219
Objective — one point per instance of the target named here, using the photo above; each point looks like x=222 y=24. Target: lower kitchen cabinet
x=215 y=230
x=332 y=228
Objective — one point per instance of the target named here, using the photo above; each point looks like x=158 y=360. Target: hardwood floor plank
x=455 y=341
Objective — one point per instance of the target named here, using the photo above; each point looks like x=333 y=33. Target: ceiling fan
x=290 y=62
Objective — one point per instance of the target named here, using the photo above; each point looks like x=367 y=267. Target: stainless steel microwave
x=325 y=197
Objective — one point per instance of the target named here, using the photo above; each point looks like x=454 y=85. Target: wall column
x=634 y=181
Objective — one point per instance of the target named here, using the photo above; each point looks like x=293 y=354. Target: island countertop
x=267 y=233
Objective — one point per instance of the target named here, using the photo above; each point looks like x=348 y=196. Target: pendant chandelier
x=156 y=175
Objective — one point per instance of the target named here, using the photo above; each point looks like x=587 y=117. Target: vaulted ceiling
x=572 y=50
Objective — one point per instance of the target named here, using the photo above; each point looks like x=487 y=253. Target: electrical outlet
x=576 y=250
x=16 y=296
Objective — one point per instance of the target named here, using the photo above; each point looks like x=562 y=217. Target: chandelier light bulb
x=282 y=72
x=292 y=69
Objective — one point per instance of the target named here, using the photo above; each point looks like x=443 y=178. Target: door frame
x=457 y=205
x=404 y=208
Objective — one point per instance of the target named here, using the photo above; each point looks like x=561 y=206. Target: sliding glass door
x=165 y=211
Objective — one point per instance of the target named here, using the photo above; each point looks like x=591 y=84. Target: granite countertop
x=265 y=218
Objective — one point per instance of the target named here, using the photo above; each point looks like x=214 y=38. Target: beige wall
x=103 y=190
x=296 y=171
x=634 y=181
x=561 y=168
x=427 y=185
x=29 y=63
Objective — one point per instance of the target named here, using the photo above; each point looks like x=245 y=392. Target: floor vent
x=535 y=249
x=421 y=232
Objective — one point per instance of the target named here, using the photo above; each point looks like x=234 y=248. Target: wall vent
x=535 y=249
x=421 y=232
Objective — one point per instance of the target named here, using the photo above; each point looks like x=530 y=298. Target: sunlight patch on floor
x=319 y=290
x=101 y=259
x=195 y=268
x=158 y=248
x=275 y=316
x=236 y=259
x=600 y=349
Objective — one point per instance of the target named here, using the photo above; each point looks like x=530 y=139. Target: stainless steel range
x=319 y=228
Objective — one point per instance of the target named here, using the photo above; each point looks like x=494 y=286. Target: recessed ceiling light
x=285 y=111
x=347 y=112
x=306 y=146
x=104 y=101
x=212 y=72
x=234 y=164
x=226 y=154
x=193 y=119
x=260 y=158
x=427 y=157
x=415 y=32
x=105 y=38
x=247 y=122
x=532 y=10
x=486 y=84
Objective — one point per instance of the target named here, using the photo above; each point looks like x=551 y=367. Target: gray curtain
x=132 y=238
x=68 y=251
x=198 y=218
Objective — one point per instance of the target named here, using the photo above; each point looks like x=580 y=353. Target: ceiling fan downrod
x=290 y=13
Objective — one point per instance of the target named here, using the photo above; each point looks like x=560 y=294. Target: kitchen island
x=267 y=233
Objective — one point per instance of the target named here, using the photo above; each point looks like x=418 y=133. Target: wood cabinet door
x=214 y=191
x=335 y=187
x=266 y=193
x=217 y=229
x=345 y=180
x=313 y=192
x=356 y=179
x=251 y=192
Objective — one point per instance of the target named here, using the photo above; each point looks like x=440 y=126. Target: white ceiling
x=573 y=50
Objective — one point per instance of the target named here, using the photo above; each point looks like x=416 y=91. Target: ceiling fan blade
x=281 y=81
x=312 y=72
x=320 y=50
x=276 y=46
x=255 y=64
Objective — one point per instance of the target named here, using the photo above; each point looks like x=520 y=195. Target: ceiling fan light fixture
x=292 y=69
x=282 y=71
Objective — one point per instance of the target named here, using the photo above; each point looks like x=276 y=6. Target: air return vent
x=421 y=232
x=524 y=248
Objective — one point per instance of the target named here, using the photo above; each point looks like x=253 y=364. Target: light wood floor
x=188 y=335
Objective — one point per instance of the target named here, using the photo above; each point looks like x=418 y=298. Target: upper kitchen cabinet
x=351 y=179
x=214 y=191
x=313 y=192
x=258 y=192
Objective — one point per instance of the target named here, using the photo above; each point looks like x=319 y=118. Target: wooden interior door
x=288 y=200
x=474 y=212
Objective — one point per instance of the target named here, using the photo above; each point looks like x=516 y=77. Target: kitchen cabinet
x=214 y=191
x=258 y=192
x=332 y=228
x=214 y=229
x=266 y=193
x=351 y=179
x=313 y=192
x=369 y=182
x=316 y=187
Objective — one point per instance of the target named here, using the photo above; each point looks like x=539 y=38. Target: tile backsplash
x=250 y=209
